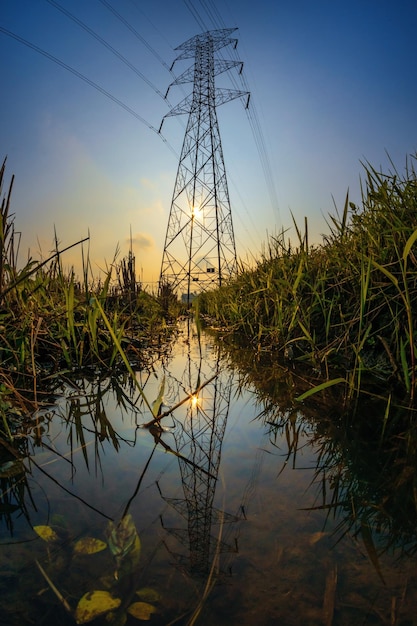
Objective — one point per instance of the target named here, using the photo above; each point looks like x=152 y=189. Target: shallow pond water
x=233 y=508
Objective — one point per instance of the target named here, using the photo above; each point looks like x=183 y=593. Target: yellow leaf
x=89 y=545
x=46 y=533
x=148 y=594
x=141 y=610
x=93 y=604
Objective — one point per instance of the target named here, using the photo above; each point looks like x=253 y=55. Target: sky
x=333 y=85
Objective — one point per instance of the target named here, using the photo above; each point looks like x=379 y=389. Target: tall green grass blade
x=123 y=355
x=404 y=365
x=321 y=387
x=407 y=248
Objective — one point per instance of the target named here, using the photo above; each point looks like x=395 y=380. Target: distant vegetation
x=346 y=307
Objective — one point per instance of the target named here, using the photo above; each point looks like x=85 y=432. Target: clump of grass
x=346 y=306
x=52 y=322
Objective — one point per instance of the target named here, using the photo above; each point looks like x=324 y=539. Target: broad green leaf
x=147 y=594
x=89 y=545
x=317 y=388
x=93 y=604
x=141 y=610
x=46 y=533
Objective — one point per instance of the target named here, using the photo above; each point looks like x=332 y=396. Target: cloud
x=142 y=241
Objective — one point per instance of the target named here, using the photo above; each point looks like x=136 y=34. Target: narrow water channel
x=232 y=497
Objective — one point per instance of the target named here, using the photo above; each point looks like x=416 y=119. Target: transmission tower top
x=199 y=251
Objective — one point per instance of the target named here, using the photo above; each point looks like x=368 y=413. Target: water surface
x=232 y=500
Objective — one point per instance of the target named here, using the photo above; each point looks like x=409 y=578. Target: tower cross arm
x=216 y=36
x=225 y=95
x=183 y=107
x=220 y=66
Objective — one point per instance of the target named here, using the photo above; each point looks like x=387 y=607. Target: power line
x=215 y=17
x=89 y=82
x=135 y=33
x=256 y=127
x=190 y=6
x=106 y=44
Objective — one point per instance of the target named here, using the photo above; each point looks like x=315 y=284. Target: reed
x=51 y=322
x=345 y=306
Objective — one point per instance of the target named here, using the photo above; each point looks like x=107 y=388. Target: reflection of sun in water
x=194 y=402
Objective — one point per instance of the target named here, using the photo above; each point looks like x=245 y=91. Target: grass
x=52 y=322
x=347 y=306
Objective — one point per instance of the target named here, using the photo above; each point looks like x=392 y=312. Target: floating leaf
x=93 y=604
x=148 y=594
x=89 y=545
x=141 y=610
x=46 y=533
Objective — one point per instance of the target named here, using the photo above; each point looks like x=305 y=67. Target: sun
x=196 y=212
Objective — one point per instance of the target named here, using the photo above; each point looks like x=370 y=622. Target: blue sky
x=332 y=84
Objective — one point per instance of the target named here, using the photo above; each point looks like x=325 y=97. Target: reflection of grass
x=370 y=489
x=366 y=466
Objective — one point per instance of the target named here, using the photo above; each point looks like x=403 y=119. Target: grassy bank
x=52 y=322
x=348 y=306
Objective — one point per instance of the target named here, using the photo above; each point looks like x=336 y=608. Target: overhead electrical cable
x=253 y=118
x=251 y=112
x=91 y=32
x=89 y=82
x=190 y=6
x=135 y=33
x=217 y=21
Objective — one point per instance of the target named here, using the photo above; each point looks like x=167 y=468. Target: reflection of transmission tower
x=199 y=439
x=199 y=249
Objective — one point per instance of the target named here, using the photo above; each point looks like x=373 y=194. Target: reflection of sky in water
x=248 y=470
x=277 y=548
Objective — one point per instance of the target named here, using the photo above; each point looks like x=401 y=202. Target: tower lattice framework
x=200 y=251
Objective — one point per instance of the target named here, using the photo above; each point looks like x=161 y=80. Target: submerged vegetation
x=346 y=307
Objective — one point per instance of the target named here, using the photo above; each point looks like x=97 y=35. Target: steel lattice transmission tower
x=200 y=250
